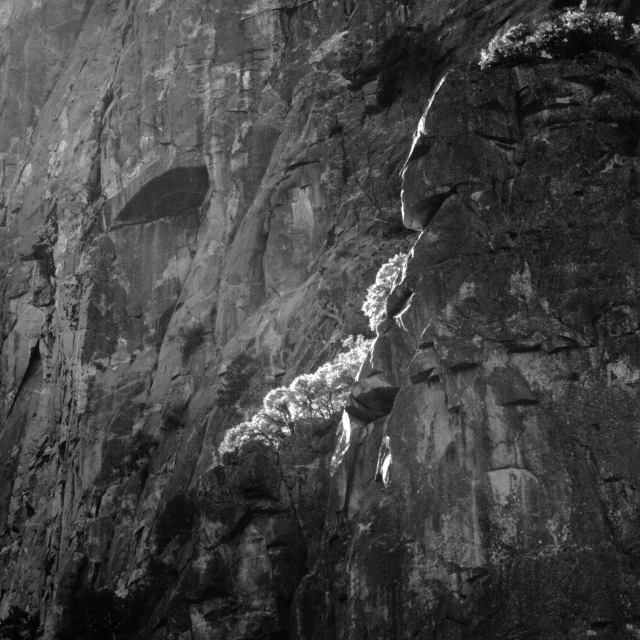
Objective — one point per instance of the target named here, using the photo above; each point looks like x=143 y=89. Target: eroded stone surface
x=186 y=183
x=501 y=464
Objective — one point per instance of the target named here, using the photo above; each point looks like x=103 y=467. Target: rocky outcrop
x=194 y=197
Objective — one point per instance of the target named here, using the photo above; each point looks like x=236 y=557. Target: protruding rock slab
x=371 y=398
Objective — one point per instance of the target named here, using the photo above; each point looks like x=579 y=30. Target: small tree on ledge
x=311 y=395
x=389 y=274
x=564 y=35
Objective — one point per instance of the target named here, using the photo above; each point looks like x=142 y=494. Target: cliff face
x=195 y=196
x=504 y=502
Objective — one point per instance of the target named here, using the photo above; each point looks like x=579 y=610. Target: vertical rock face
x=505 y=502
x=194 y=197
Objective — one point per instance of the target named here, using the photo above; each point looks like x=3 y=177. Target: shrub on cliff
x=564 y=35
x=175 y=520
x=98 y=615
x=388 y=276
x=174 y=412
x=19 y=625
x=172 y=419
x=315 y=395
x=191 y=338
x=235 y=381
x=140 y=448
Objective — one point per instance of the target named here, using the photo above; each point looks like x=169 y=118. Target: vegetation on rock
x=235 y=381
x=141 y=446
x=388 y=276
x=175 y=520
x=173 y=415
x=315 y=395
x=564 y=35
x=171 y=421
x=191 y=338
x=99 y=615
x=19 y=625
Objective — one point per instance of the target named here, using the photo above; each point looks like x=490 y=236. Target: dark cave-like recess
x=178 y=192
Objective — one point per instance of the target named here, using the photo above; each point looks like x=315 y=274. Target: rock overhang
x=180 y=191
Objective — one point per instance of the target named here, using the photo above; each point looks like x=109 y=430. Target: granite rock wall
x=194 y=197
x=499 y=498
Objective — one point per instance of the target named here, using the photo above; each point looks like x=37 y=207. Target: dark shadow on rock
x=178 y=192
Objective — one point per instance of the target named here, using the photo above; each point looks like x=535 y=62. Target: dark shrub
x=171 y=420
x=140 y=446
x=235 y=380
x=98 y=615
x=175 y=520
x=191 y=339
x=19 y=625
x=174 y=411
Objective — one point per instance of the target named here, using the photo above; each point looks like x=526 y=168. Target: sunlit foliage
x=388 y=276
x=564 y=35
x=312 y=395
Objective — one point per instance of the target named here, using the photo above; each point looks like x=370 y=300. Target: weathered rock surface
x=193 y=199
x=505 y=504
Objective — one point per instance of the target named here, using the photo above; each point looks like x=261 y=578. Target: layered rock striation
x=194 y=199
